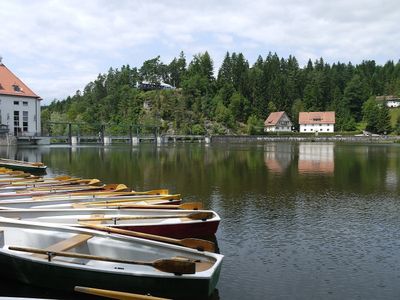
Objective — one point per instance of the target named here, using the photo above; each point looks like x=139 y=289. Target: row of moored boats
x=63 y=232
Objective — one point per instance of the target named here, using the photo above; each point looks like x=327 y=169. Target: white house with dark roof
x=19 y=105
x=278 y=122
x=319 y=121
x=390 y=101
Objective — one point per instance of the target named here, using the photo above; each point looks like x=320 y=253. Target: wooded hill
x=236 y=99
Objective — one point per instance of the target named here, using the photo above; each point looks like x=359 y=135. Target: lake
x=299 y=220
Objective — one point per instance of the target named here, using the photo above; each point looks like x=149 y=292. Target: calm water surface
x=299 y=220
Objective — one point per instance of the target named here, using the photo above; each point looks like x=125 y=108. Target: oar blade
x=175 y=266
x=201 y=245
x=191 y=206
x=200 y=215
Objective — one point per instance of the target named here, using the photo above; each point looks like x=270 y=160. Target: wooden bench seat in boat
x=67 y=244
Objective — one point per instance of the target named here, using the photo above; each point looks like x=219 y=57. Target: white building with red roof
x=278 y=122
x=19 y=105
x=319 y=121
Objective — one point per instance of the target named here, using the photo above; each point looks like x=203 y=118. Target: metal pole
x=70 y=133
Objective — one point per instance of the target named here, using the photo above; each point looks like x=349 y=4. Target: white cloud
x=58 y=46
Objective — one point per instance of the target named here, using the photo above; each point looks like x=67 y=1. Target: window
x=24 y=121
x=16 y=122
x=25 y=103
x=16 y=102
x=16 y=88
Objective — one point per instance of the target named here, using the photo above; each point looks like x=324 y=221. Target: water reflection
x=316 y=158
x=278 y=156
x=299 y=220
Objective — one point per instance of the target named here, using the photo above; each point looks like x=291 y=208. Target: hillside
x=237 y=100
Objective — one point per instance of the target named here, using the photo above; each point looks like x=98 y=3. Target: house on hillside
x=320 y=121
x=278 y=122
x=149 y=86
x=19 y=105
x=390 y=101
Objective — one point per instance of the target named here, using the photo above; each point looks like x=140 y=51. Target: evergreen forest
x=235 y=99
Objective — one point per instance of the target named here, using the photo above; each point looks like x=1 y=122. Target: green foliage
x=254 y=125
x=397 y=126
x=377 y=117
x=198 y=129
x=238 y=100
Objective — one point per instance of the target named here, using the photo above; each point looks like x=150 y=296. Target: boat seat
x=67 y=244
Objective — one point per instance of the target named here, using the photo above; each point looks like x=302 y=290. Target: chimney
x=1 y=58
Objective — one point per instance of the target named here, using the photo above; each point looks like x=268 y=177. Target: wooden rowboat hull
x=23 y=167
x=65 y=273
x=175 y=228
x=66 y=278
x=179 y=231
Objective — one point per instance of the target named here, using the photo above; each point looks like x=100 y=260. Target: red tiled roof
x=318 y=117
x=273 y=118
x=12 y=85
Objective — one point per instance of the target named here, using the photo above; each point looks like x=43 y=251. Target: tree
x=254 y=125
x=355 y=94
x=370 y=114
x=384 y=125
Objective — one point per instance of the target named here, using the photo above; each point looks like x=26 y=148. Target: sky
x=57 y=47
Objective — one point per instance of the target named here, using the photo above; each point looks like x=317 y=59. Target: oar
x=175 y=266
x=115 y=294
x=186 y=206
x=107 y=188
x=151 y=192
x=122 y=200
x=63 y=188
x=192 y=216
x=201 y=245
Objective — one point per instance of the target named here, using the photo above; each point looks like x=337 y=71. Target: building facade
x=323 y=121
x=278 y=122
x=390 y=101
x=19 y=105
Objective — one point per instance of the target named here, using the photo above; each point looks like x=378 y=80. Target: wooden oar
x=192 y=216
x=55 y=182
x=115 y=294
x=186 y=206
x=64 y=188
x=122 y=200
x=175 y=266
x=151 y=192
x=201 y=245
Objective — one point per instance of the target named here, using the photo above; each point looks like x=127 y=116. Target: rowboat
x=63 y=257
x=166 y=222
x=51 y=184
x=23 y=165
x=41 y=192
x=67 y=203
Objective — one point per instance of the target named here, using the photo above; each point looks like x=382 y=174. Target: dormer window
x=17 y=88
